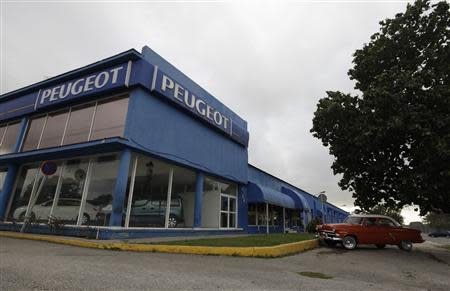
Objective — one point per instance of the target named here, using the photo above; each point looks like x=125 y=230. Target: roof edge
x=130 y=54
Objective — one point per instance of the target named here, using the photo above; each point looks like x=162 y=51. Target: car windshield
x=353 y=220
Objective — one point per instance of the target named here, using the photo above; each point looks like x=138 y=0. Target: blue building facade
x=136 y=148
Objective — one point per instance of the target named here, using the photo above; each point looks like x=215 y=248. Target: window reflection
x=183 y=195
x=54 y=130
x=21 y=197
x=101 y=188
x=67 y=202
x=41 y=202
x=33 y=133
x=9 y=138
x=109 y=119
x=3 y=172
x=79 y=124
x=148 y=205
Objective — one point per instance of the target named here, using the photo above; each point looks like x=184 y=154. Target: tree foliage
x=391 y=212
x=391 y=142
x=438 y=220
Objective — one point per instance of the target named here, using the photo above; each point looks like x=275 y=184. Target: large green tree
x=391 y=142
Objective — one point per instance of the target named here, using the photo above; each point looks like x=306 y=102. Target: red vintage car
x=369 y=229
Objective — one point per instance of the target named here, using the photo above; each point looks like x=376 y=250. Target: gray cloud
x=269 y=62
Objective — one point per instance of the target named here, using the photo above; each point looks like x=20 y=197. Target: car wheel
x=172 y=221
x=405 y=245
x=381 y=246
x=349 y=242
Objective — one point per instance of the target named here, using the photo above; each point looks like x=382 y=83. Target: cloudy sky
x=269 y=61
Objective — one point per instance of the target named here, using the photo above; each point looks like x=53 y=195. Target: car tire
x=405 y=245
x=173 y=221
x=380 y=246
x=349 y=242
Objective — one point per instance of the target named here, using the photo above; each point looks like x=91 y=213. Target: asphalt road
x=28 y=264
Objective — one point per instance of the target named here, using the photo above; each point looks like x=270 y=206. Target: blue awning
x=261 y=194
x=298 y=197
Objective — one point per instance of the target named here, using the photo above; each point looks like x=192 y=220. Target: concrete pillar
x=198 y=199
x=120 y=189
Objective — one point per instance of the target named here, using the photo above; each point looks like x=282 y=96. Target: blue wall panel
x=163 y=130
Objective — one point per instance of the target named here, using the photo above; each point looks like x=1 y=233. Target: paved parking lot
x=39 y=265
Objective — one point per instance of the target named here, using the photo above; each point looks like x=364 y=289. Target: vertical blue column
x=20 y=134
x=198 y=199
x=8 y=185
x=120 y=189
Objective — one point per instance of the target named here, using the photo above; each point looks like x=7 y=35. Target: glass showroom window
x=9 y=136
x=100 y=191
x=67 y=200
x=34 y=132
x=146 y=202
x=54 y=129
x=109 y=119
x=3 y=172
x=41 y=198
x=60 y=196
x=151 y=185
x=252 y=214
x=181 y=211
x=22 y=193
x=77 y=124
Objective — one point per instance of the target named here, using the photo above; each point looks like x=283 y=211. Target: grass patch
x=315 y=275
x=257 y=240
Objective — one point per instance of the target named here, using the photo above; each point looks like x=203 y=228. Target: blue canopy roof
x=300 y=200
x=261 y=194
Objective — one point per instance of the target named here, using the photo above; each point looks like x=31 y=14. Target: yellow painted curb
x=268 y=252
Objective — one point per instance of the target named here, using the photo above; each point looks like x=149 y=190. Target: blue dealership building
x=136 y=148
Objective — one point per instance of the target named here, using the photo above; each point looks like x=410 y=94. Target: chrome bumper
x=328 y=236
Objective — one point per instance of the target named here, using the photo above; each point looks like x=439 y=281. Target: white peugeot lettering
x=182 y=95
x=88 y=83
x=75 y=90
x=202 y=110
x=98 y=83
x=82 y=85
x=179 y=91
x=166 y=83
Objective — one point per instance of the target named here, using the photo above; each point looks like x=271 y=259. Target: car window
x=370 y=221
x=138 y=203
x=385 y=222
x=155 y=203
x=353 y=220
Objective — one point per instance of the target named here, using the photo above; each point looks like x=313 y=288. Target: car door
x=388 y=232
x=369 y=231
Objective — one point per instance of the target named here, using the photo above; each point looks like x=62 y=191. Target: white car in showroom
x=66 y=210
